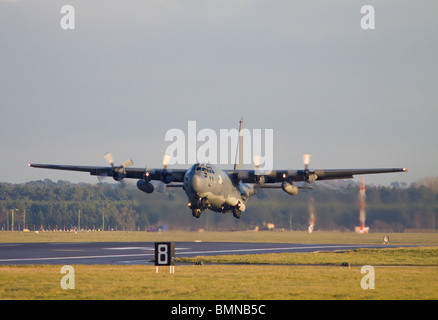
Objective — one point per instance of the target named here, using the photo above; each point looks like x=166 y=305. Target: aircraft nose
x=196 y=183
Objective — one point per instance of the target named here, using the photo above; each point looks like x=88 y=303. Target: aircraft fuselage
x=208 y=187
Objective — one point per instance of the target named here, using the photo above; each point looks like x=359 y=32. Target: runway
x=120 y=253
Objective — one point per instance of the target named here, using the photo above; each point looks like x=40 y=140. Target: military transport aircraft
x=208 y=187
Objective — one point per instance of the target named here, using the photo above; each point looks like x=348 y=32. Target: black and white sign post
x=165 y=255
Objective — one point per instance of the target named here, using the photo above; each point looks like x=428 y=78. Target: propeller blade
x=256 y=160
x=259 y=178
x=309 y=175
x=306 y=160
x=166 y=159
x=127 y=163
x=109 y=158
x=118 y=173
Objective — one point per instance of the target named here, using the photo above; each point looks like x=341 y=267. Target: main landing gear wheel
x=196 y=213
x=236 y=212
x=203 y=203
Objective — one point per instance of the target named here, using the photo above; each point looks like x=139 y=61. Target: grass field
x=213 y=282
x=418 y=256
x=239 y=236
x=410 y=273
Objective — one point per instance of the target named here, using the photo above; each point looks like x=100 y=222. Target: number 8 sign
x=164 y=253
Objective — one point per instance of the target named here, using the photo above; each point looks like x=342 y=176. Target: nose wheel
x=196 y=213
x=201 y=205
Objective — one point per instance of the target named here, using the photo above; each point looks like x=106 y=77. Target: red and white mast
x=311 y=214
x=362 y=205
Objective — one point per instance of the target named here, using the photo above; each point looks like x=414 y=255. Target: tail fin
x=238 y=165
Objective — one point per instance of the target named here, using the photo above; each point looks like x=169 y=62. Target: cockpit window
x=198 y=169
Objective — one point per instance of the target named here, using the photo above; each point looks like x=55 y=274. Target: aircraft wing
x=176 y=175
x=253 y=176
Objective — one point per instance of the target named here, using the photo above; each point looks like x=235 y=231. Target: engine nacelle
x=289 y=188
x=166 y=177
x=260 y=179
x=118 y=176
x=145 y=186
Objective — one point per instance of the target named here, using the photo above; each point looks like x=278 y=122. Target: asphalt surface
x=121 y=253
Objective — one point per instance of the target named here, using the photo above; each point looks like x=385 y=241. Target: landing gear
x=196 y=213
x=199 y=206
x=236 y=211
x=203 y=203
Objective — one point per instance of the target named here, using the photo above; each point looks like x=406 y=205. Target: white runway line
x=78 y=257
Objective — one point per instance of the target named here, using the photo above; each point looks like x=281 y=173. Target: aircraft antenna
x=239 y=154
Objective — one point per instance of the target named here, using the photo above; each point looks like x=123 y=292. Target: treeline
x=62 y=205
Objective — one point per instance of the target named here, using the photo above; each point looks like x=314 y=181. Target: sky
x=132 y=70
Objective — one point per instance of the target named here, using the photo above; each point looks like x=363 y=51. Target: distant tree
x=56 y=204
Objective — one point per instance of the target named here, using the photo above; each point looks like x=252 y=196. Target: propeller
x=309 y=175
x=306 y=160
x=103 y=175
x=259 y=178
x=109 y=158
x=166 y=160
x=119 y=172
x=166 y=175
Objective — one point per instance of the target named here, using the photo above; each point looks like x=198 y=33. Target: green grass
x=359 y=257
x=239 y=236
x=218 y=282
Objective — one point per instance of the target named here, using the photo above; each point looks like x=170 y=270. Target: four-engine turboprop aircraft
x=208 y=187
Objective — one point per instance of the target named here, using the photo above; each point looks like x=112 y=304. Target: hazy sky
x=131 y=70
